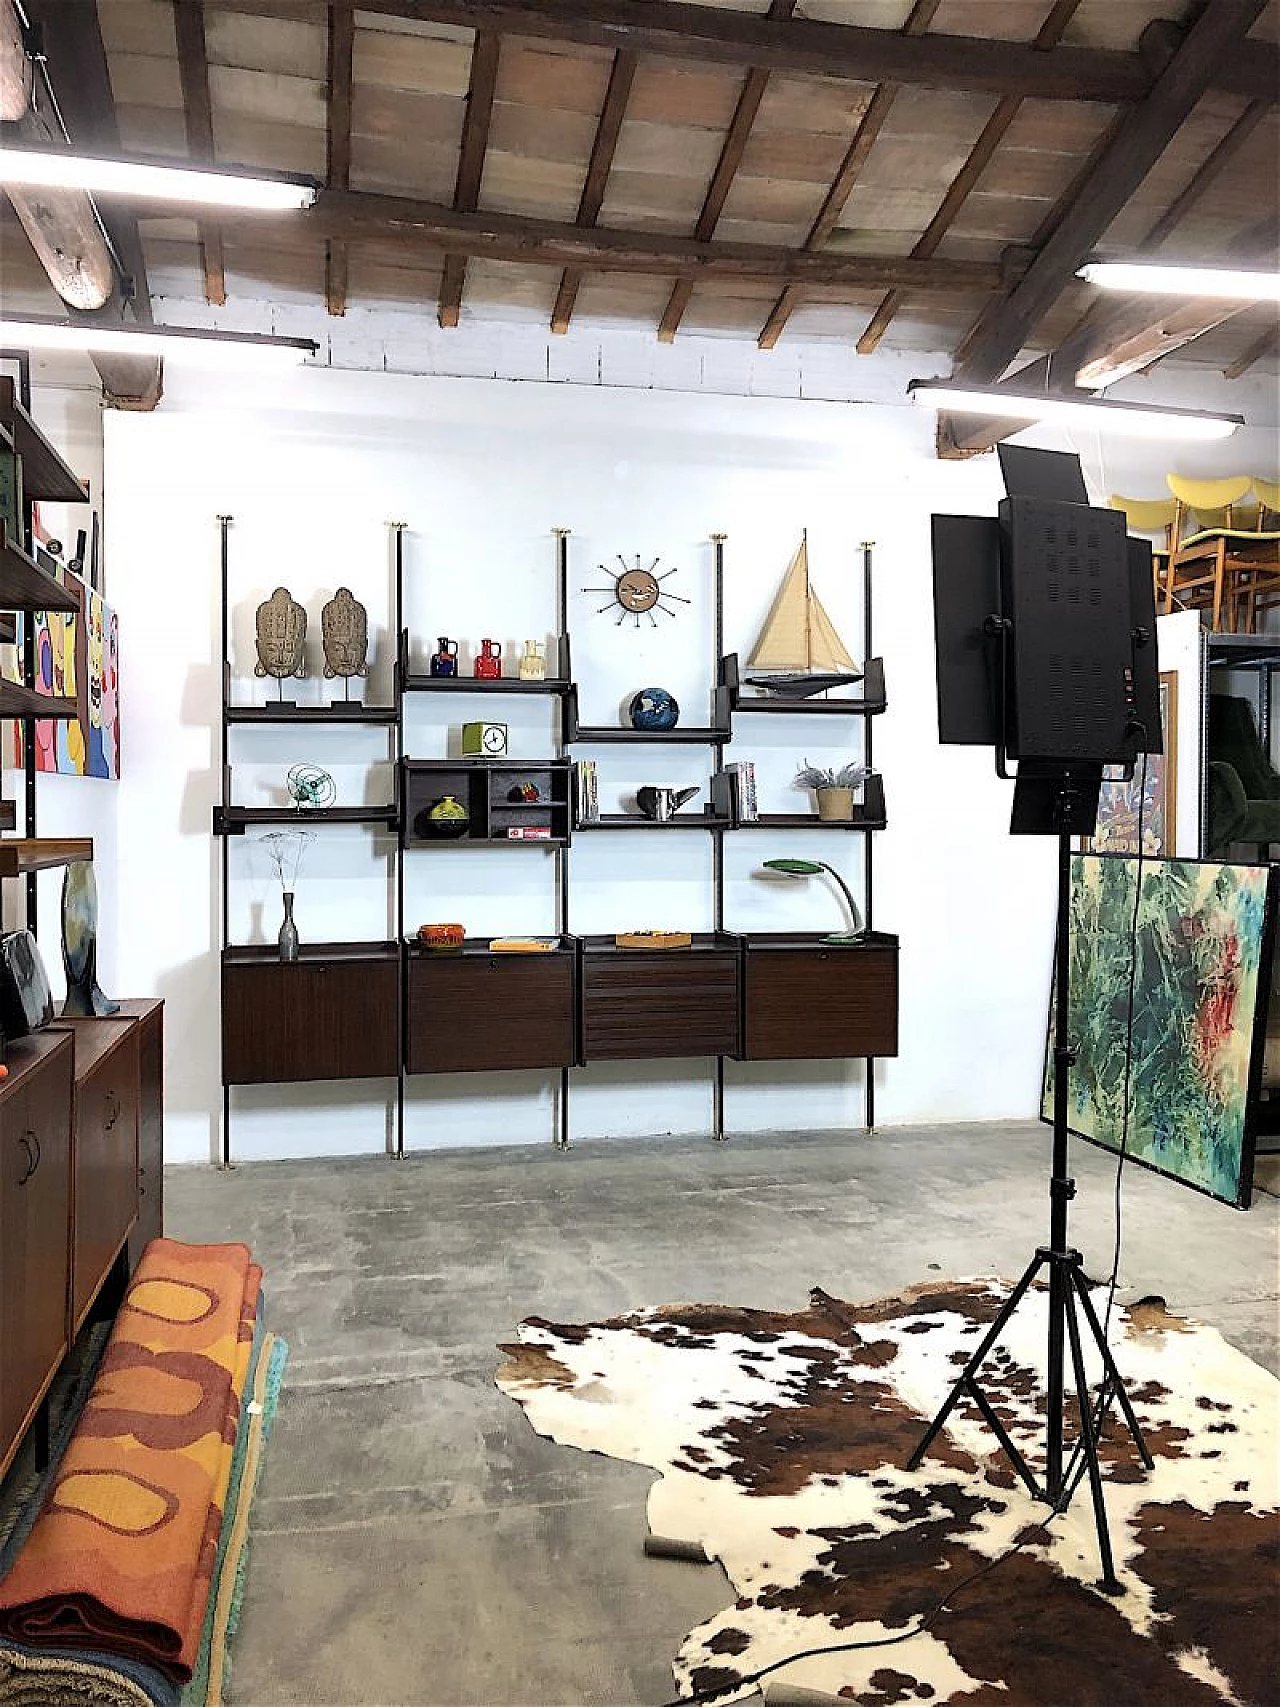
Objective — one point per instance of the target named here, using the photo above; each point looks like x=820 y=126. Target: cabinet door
x=313 y=1019
x=35 y=1184
x=471 y=1013
x=644 y=1006
x=816 y=1003
x=105 y=1170
x=150 y=1134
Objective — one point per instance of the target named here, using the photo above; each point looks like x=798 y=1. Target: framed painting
x=77 y=656
x=1200 y=996
x=1156 y=794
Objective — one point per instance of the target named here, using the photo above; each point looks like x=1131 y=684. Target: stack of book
x=742 y=791
x=587 y=792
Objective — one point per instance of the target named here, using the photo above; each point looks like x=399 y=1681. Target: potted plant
x=833 y=789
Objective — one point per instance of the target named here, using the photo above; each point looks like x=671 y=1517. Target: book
x=529 y=833
x=742 y=784
x=522 y=945
x=587 y=792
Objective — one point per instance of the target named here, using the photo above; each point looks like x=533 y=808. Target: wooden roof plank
x=475 y=140
x=341 y=57
x=725 y=36
x=604 y=146
x=1258 y=350
x=193 y=67
x=1139 y=139
x=993 y=134
x=864 y=138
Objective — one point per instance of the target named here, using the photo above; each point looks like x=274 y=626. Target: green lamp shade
x=795 y=867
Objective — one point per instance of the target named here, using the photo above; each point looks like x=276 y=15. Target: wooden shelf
x=637 y=821
x=868 y=703
x=24 y=585
x=232 y=820
x=40 y=853
x=597 y=735
x=481 y=947
x=267 y=953
x=334 y=714
x=44 y=473
x=704 y=942
x=868 y=814
x=17 y=701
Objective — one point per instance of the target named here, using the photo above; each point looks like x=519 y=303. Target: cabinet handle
x=113 y=1110
x=33 y=1156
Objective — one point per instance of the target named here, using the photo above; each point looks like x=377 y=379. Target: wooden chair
x=1151 y=516
x=1215 y=563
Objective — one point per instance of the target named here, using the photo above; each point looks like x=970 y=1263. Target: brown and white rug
x=782 y=1439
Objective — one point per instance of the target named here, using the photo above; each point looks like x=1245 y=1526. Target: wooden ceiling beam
x=1137 y=143
x=966 y=179
x=864 y=138
x=1257 y=351
x=617 y=94
x=750 y=96
x=810 y=46
x=475 y=142
x=193 y=69
x=342 y=32
x=349 y=214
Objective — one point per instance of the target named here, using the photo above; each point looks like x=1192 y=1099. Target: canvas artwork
x=1119 y=801
x=77 y=657
x=1199 y=1011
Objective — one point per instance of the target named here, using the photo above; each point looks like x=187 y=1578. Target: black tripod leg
x=966 y=1375
x=1112 y=1373
x=1111 y=1584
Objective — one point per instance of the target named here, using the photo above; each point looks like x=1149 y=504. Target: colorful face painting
x=103 y=680
x=1199 y=1008
x=77 y=659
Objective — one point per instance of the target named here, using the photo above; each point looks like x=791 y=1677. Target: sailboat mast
x=808 y=605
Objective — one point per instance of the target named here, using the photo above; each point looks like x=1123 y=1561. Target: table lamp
x=811 y=868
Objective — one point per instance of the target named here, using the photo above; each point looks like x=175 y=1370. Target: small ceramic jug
x=533 y=666
x=488 y=664
x=448 y=819
x=444 y=660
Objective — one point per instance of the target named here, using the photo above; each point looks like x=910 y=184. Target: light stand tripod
x=1068 y=1288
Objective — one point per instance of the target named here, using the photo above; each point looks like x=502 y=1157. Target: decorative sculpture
x=653 y=710
x=84 y=999
x=533 y=666
x=444 y=660
x=488 y=664
x=285 y=849
x=344 y=632
x=637 y=592
x=281 y=625
x=310 y=787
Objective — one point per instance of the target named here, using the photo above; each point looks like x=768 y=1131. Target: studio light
x=1154 y=278
x=1102 y=415
x=180 y=343
x=60 y=169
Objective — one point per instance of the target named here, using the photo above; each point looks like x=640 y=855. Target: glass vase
x=288 y=938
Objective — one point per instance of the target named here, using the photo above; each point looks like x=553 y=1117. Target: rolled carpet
x=121 y=1558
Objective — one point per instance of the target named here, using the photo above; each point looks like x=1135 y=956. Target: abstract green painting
x=1199 y=1010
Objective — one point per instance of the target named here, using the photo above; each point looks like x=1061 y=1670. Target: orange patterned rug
x=121 y=1558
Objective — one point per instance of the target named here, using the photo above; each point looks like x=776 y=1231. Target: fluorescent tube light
x=1128 y=420
x=61 y=169
x=176 y=343
x=1238 y=283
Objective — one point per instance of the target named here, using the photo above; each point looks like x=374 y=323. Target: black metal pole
x=868 y=836
x=1061 y=1186
x=560 y=1139
x=717 y=835
x=224 y=526
x=402 y=949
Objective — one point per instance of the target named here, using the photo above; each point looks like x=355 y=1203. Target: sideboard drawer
x=815 y=1002
x=473 y=1012
x=326 y=1016
x=104 y=1167
x=646 y=1005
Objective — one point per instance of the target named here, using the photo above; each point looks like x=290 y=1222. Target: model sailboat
x=799 y=652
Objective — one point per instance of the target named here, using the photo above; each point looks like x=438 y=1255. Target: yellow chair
x=1231 y=571
x=1150 y=516
x=1267 y=493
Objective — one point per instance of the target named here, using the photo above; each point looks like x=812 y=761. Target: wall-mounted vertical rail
x=224 y=852
x=868 y=840
x=398 y=667
x=23 y=359
x=560 y=1139
x=717 y=834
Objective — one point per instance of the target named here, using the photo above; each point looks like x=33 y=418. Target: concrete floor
x=415 y=1542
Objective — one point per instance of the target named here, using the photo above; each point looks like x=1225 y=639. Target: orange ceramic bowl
x=442 y=936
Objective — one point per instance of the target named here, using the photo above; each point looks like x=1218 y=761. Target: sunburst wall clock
x=638 y=592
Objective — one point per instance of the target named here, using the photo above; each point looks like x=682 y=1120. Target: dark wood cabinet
x=474 y=1011
x=642 y=1004
x=332 y=1014
x=35 y=1224
x=105 y=1155
x=485 y=788
x=802 y=1000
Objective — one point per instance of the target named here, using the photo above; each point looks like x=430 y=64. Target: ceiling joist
x=1258 y=350
x=193 y=68
x=617 y=94
x=475 y=143
x=338 y=140
x=817 y=48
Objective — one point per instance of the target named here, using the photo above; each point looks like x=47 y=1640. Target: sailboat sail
x=798 y=637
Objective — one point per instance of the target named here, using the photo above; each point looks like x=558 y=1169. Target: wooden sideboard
x=81 y=1154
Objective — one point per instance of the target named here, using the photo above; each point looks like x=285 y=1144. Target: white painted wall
x=67 y=406
x=312 y=468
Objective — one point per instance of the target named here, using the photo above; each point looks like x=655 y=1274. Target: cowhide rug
x=782 y=1440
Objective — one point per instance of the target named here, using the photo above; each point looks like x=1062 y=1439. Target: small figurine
x=444 y=660
x=488 y=664
x=533 y=666
x=344 y=630
x=526 y=793
x=281 y=628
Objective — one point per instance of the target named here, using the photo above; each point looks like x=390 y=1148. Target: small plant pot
x=835 y=805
